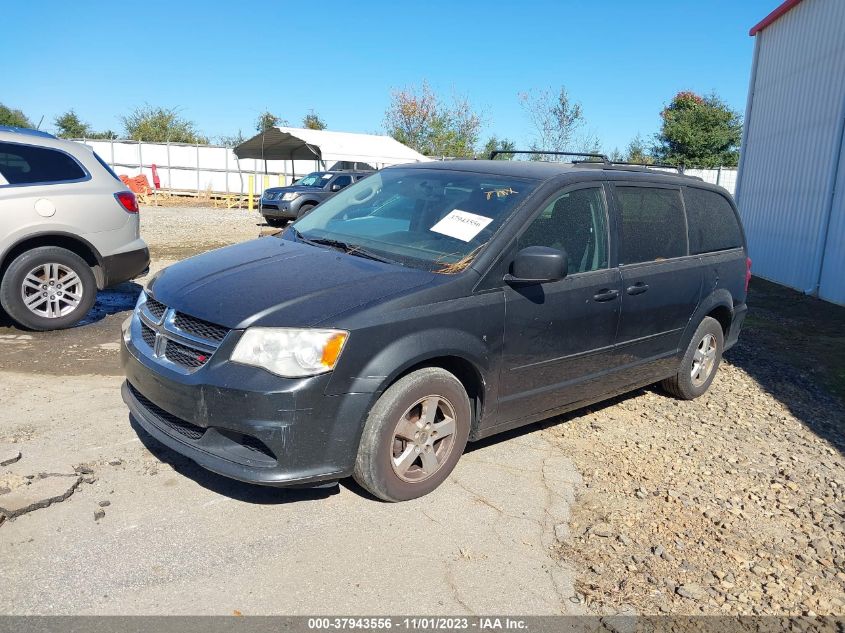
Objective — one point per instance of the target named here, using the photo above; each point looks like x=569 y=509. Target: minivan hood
x=275 y=282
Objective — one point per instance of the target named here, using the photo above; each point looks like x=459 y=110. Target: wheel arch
x=73 y=243
x=455 y=351
x=464 y=370
x=719 y=305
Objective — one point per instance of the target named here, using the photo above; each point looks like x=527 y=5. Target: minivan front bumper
x=245 y=423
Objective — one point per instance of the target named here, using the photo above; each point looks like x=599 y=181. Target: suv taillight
x=747 y=272
x=127 y=200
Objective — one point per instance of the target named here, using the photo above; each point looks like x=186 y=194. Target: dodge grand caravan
x=433 y=304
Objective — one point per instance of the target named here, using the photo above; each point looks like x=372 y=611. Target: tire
x=387 y=447
x=304 y=209
x=694 y=376
x=48 y=264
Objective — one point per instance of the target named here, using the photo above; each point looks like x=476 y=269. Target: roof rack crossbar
x=496 y=152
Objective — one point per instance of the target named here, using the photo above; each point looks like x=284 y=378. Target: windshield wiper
x=351 y=249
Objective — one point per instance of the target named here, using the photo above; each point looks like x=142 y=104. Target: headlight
x=290 y=352
x=290 y=196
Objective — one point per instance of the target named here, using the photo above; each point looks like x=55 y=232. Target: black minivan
x=433 y=304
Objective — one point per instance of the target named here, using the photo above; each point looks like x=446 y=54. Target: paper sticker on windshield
x=461 y=225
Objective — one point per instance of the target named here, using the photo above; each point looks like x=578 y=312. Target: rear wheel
x=414 y=435
x=48 y=288
x=700 y=362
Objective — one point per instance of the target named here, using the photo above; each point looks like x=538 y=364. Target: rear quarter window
x=712 y=222
x=27 y=164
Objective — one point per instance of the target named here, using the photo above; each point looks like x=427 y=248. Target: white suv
x=68 y=227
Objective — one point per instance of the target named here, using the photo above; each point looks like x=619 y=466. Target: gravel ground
x=177 y=232
x=730 y=504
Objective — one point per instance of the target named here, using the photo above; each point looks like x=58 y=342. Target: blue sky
x=222 y=62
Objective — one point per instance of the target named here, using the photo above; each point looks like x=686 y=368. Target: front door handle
x=637 y=289
x=606 y=294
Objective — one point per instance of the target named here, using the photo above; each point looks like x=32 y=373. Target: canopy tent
x=289 y=143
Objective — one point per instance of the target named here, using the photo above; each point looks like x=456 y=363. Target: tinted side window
x=652 y=225
x=712 y=222
x=577 y=223
x=342 y=181
x=25 y=164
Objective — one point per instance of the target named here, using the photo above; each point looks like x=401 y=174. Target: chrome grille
x=148 y=334
x=156 y=308
x=184 y=355
x=200 y=328
x=183 y=342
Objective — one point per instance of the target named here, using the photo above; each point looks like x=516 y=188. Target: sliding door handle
x=637 y=289
x=606 y=294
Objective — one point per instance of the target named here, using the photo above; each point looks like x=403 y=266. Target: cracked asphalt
x=176 y=539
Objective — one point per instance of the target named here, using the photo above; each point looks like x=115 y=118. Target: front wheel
x=414 y=435
x=304 y=210
x=48 y=288
x=700 y=362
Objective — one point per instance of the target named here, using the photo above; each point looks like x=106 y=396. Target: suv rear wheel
x=414 y=435
x=700 y=362
x=48 y=288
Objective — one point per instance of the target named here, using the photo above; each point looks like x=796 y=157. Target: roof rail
x=639 y=167
x=602 y=157
x=25 y=130
x=678 y=168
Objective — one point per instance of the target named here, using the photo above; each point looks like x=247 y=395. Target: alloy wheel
x=423 y=438
x=51 y=290
x=703 y=360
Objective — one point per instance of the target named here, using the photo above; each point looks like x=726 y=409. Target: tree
x=69 y=125
x=495 y=143
x=558 y=121
x=312 y=121
x=14 y=118
x=636 y=151
x=105 y=134
x=232 y=140
x=267 y=119
x=160 y=125
x=698 y=132
x=418 y=118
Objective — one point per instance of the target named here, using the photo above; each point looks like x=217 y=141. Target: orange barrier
x=138 y=184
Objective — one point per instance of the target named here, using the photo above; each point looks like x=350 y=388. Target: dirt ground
x=733 y=503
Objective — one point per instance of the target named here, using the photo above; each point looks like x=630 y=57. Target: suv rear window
x=712 y=222
x=27 y=164
x=652 y=224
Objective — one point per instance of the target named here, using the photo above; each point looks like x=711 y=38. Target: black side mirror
x=538 y=264
x=336 y=187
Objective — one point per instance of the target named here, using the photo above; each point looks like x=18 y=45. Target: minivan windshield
x=316 y=179
x=433 y=219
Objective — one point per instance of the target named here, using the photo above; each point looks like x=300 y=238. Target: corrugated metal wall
x=797 y=103
x=833 y=271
